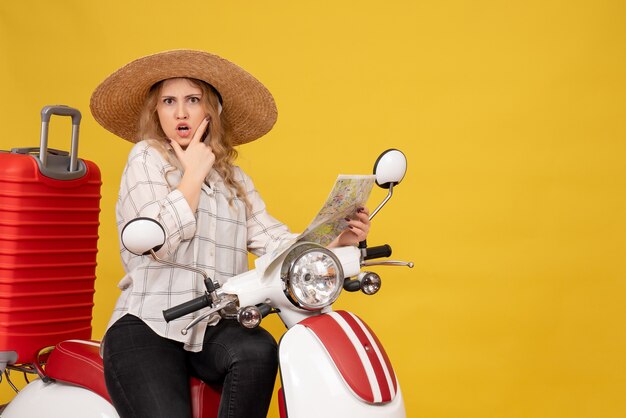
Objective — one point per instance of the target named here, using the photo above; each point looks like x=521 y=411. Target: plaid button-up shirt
x=216 y=238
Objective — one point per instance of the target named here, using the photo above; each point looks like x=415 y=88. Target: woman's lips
x=183 y=130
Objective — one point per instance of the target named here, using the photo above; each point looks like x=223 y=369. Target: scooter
x=331 y=363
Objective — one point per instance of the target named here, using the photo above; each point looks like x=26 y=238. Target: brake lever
x=216 y=308
x=408 y=264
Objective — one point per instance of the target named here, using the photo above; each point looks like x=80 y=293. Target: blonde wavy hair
x=218 y=135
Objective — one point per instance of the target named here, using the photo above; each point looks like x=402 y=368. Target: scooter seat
x=78 y=362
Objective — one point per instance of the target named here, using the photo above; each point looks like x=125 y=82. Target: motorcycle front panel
x=315 y=386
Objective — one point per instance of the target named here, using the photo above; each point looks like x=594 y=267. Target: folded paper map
x=349 y=193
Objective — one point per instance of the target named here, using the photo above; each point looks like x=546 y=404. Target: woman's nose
x=181 y=112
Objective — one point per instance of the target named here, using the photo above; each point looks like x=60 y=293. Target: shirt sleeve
x=145 y=192
x=265 y=233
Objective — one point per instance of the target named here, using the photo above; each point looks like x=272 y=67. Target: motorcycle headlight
x=312 y=275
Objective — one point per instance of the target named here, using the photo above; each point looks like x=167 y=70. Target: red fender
x=357 y=354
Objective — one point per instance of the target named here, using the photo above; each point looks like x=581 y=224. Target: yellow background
x=512 y=118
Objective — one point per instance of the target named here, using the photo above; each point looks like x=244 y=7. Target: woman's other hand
x=357 y=230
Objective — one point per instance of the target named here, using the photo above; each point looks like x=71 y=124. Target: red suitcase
x=49 y=209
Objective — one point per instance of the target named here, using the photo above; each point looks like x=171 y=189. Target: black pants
x=147 y=376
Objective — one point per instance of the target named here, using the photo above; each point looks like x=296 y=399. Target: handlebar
x=379 y=251
x=183 y=309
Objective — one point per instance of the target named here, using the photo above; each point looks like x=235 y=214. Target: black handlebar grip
x=265 y=309
x=351 y=285
x=378 y=252
x=210 y=286
x=183 y=309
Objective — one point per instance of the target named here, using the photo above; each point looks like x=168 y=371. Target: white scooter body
x=58 y=400
x=315 y=382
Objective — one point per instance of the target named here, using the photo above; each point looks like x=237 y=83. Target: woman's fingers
x=363 y=211
x=356 y=231
x=177 y=149
x=359 y=229
x=363 y=215
x=199 y=134
x=197 y=158
x=362 y=221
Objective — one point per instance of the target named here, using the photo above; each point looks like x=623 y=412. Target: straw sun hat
x=248 y=106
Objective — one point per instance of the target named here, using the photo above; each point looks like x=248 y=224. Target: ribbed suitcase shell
x=48 y=247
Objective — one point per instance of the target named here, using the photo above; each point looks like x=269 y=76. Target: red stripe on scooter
x=385 y=357
x=343 y=354
x=371 y=354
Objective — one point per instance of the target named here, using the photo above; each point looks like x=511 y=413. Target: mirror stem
x=383 y=202
x=207 y=281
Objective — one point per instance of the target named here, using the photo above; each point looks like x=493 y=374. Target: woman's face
x=180 y=110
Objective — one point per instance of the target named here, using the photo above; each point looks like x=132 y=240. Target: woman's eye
x=194 y=99
x=168 y=100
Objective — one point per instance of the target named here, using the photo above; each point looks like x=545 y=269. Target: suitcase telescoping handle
x=61 y=110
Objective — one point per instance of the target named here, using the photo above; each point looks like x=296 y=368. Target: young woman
x=186 y=110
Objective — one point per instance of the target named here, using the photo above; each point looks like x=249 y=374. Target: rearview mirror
x=390 y=168
x=141 y=235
